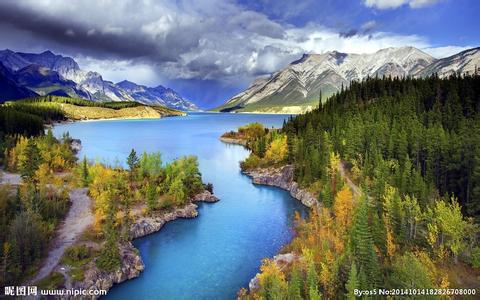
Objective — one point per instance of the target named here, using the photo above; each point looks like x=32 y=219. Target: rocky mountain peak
x=300 y=83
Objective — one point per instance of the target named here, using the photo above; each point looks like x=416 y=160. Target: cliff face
x=132 y=264
x=150 y=224
x=283 y=178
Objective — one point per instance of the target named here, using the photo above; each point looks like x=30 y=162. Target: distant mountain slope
x=297 y=87
x=44 y=81
x=9 y=90
x=48 y=73
x=158 y=95
x=464 y=62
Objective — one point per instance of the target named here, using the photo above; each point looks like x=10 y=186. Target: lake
x=217 y=253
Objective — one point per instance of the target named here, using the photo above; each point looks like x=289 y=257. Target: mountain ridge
x=78 y=83
x=297 y=87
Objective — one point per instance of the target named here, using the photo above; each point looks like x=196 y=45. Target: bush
x=76 y=255
x=475 y=258
x=53 y=281
x=166 y=202
x=251 y=162
x=209 y=187
x=109 y=259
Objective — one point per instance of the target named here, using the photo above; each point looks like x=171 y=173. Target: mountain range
x=28 y=74
x=297 y=87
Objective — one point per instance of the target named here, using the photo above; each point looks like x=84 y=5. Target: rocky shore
x=281 y=260
x=132 y=264
x=283 y=178
x=229 y=140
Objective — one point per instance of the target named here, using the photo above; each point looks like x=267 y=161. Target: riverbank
x=131 y=262
x=282 y=177
x=229 y=140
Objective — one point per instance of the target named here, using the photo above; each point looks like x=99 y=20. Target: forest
x=79 y=102
x=30 y=212
x=412 y=146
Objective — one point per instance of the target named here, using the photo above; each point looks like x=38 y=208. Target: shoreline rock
x=283 y=178
x=76 y=145
x=132 y=263
x=281 y=260
x=233 y=141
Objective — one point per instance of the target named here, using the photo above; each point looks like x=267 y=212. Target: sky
x=209 y=50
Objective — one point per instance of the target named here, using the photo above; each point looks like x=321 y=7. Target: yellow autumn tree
x=16 y=155
x=277 y=150
x=100 y=191
x=342 y=208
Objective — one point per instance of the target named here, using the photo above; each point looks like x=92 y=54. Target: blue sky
x=209 y=50
x=444 y=22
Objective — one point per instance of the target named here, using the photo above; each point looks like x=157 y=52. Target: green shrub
x=475 y=258
x=251 y=162
x=53 y=281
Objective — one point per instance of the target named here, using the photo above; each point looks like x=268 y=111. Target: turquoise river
x=217 y=253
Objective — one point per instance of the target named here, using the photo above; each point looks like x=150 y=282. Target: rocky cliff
x=283 y=178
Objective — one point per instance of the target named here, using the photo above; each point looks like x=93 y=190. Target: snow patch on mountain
x=300 y=82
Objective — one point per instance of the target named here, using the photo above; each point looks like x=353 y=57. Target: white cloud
x=118 y=70
x=389 y=4
x=367 y=26
x=445 y=51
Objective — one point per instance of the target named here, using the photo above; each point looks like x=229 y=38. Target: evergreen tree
x=352 y=283
x=363 y=245
x=294 y=285
x=31 y=163
x=85 y=172
x=151 y=196
x=132 y=160
x=312 y=281
x=109 y=259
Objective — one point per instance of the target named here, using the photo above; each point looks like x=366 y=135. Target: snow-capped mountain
x=297 y=87
x=40 y=71
x=156 y=95
x=465 y=62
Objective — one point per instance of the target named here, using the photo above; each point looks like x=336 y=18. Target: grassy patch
x=53 y=281
x=77 y=274
x=77 y=256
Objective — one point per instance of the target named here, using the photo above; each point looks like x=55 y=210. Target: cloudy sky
x=209 y=50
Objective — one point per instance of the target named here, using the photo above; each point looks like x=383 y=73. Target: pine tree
x=294 y=285
x=363 y=245
x=151 y=196
x=312 y=281
x=352 y=283
x=109 y=258
x=31 y=163
x=85 y=173
x=132 y=160
x=473 y=204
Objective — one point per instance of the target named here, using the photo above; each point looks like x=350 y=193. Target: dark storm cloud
x=348 y=33
x=365 y=29
x=86 y=40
